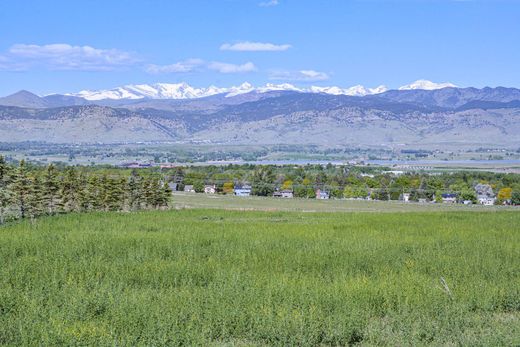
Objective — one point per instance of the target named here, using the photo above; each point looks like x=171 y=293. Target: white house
x=286 y=193
x=189 y=188
x=405 y=197
x=210 y=189
x=486 y=200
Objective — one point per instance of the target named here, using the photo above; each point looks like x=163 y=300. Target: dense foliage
x=235 y=278
x=33 y=191
x=347 y=181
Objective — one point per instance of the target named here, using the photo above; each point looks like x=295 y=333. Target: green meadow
x=260 y=278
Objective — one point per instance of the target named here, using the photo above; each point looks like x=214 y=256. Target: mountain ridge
x=436 y=118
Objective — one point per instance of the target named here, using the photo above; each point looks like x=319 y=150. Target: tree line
x=31 y=192
x=347 y=181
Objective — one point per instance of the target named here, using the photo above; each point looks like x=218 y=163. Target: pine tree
x=151 y=186
x=51 y=188
x=35 y=199
x=83 y=195
x=165 y=194
x=134 y=191
x=94 y=194
x=113 y=189
x=69 y=191
x=5 y=192
x=21 y=188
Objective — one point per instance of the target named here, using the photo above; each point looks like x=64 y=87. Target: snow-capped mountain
x=185 y=91
x=358 y=90
x=426 y=85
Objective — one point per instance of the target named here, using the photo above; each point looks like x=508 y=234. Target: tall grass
x=209 y=277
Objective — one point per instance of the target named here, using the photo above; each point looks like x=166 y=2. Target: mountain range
x=423 y=114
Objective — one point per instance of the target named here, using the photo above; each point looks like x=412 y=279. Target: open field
x=214 y=201
x=241 y=278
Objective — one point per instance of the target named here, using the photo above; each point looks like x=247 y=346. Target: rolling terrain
x=446 y=117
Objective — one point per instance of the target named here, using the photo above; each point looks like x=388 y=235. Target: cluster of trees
x=33 y=191
x=347 y=181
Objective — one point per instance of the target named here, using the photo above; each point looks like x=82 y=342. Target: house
x=286 y=193
x=189 y=188
x=322 y=195
x=244 y=190
x=210 y=189
x=486 y=201
x=449 y=198
x=485 y=194
x=173 y=186
x=405 y=197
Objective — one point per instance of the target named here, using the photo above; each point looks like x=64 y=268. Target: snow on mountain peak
x=426 y=85
x=185 y=91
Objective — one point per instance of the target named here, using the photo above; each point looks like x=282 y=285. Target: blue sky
x=67 y=46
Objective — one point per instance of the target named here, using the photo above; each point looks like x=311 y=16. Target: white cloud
x=191 y=65
x=254 y=47
x=302 y=75
x=63 y=56
x=269 y=3
x=188 y=65
x=231 y=68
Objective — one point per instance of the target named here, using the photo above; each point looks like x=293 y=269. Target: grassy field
x=257 y=203
x=241 y=278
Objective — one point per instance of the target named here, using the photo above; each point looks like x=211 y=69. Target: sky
x=66 y=46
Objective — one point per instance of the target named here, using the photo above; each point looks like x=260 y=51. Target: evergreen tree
x=165 y=194
x=51 y=188
x=21 y=189
x=113 y=193
x=94 y=195
x=69 y=191
x=83 y=194
x=134 y=191
x=5 y=192
x=35 y=198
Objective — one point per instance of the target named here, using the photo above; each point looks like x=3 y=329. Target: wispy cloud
x=302 y=75
x=248 y=46
x=61 y=56
x=188 y=65
x=269 y=3
x=191 y=65
x=231 y=68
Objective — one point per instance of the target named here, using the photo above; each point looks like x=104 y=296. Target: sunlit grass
x=199 y=277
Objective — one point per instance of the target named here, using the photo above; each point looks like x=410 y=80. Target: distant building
x=173 y=186
x=487 y=201
x=322 y=195
x=244 y=190
x=485 y=194
x=210 y=189
x=189 y=188
x=449 y=198
x=286 y=193
x=135 y=165
x=405 y=197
